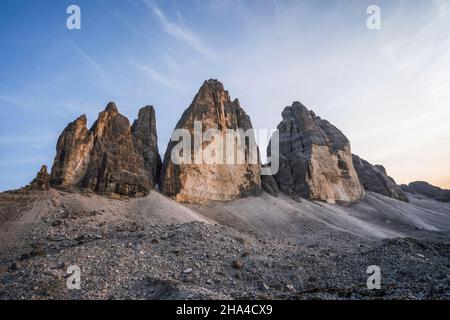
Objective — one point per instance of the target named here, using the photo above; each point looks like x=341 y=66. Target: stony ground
x=124 y=259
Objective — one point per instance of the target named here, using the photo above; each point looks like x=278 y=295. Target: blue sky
x=387 y=90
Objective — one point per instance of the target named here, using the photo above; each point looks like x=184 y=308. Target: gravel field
x=129 y=256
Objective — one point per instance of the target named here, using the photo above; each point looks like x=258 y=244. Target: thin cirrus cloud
x=156 y=76
x=89 y=59
x=181 y=33
x=12 y=100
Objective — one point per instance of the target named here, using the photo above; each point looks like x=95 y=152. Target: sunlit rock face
x=111 y=158
x=374 y=178
x=315 y=159
x=223 y=176
x=73 y=152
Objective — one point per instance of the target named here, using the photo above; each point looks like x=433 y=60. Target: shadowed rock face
x=315 y=159
x=426 y=189
x=200 y=182
x=145 y=141
x=270 y=185
x=111 y=158
x=374 y=178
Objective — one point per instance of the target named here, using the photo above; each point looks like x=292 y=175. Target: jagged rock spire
x=110 y=158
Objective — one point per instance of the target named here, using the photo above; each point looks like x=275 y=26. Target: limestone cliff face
x=221 y=180
x=72 y=154
x=374 y=178
x=111 y=158
x=315 y=159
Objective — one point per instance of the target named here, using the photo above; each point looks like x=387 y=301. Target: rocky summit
x=315 y=159
x=111 y=158
x=374 y=178
x=199 y=182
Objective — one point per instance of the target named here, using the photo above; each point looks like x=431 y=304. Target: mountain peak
x=81 y=120
x=111 y=107
x=201 y=182
x=212 y=86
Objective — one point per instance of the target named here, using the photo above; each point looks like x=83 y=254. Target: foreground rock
x=111 y=158
x=200 y=181
x=315 y=159
x=426 y=189
x=375 y=179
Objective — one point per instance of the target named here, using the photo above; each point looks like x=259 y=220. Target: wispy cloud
x=91 y=61
x=12 y=100
x=171 y=63
x=181 y=33
x=28 y=139
x=155 y=75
